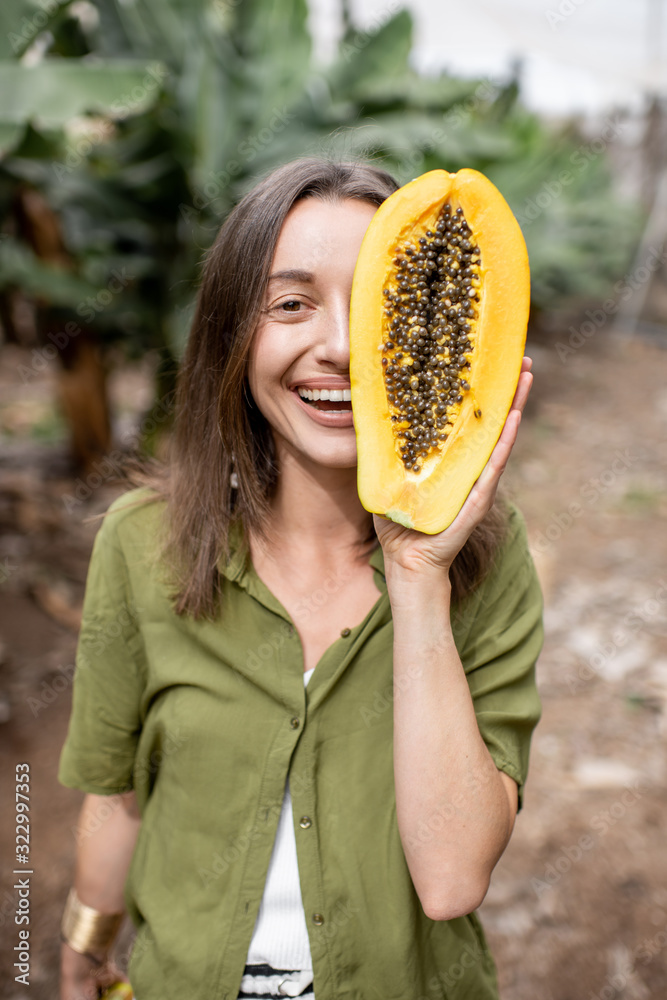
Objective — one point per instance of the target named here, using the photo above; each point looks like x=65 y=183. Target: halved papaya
x=438 y=317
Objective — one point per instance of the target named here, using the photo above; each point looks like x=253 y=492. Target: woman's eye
x=292 y=306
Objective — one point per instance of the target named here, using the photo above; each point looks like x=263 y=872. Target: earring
x=233 y=478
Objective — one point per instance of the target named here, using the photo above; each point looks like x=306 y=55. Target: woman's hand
x=417 y=552
x=81 y=978
x=106 y=835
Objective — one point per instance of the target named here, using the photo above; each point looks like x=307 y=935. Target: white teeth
x=335 y=395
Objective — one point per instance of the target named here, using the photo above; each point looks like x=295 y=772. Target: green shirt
x=206 y=720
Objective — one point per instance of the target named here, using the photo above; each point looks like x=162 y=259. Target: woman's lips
x=339 y=417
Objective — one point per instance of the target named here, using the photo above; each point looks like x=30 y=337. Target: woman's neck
x=317 y=511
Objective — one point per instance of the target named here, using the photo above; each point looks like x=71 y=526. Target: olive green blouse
x=205 y=720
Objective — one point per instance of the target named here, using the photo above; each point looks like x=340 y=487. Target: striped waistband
x=265 y=981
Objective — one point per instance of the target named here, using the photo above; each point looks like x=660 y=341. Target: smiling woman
x=300 y=356
x=278 y=831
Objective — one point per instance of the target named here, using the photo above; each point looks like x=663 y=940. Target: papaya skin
x=429 y=500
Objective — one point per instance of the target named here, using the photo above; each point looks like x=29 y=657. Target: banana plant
x=139 y=123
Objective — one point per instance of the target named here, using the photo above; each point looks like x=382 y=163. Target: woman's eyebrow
x=304 y=277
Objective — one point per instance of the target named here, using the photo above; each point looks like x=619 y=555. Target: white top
x=280 y=937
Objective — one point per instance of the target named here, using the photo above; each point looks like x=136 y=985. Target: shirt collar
x=238 y=565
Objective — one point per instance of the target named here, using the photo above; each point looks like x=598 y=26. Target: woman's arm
x=106 y=838
x=455 y=809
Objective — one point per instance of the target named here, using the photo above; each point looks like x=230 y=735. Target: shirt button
x=318 y=919
x=305 y=822
x=295 y=723
x=345 y=632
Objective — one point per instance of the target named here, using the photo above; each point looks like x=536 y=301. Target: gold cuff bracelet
x=87 y=930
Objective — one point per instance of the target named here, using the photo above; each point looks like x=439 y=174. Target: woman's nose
x=334 y=345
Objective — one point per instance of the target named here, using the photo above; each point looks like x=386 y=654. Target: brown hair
x=218 y=427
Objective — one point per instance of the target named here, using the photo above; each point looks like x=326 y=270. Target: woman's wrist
x=420 y=608
x=88 y=931
x=414 y=585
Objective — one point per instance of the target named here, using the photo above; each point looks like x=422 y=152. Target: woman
x=261 y=685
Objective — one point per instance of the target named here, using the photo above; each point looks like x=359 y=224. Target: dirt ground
x=577 y=909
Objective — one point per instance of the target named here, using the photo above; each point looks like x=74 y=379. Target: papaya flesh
x=438 y=318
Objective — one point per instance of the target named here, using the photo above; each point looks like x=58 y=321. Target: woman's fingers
x=483 y=493
x=503 y=448
x=522 y=389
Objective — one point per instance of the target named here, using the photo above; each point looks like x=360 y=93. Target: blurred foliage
x=142 y=121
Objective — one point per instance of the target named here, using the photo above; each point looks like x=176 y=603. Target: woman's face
x=299 y=361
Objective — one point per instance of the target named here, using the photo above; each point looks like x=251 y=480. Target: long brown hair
x=218 y=428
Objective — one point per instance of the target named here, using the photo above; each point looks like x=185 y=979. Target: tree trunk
x=82 y=381
x=84 y=401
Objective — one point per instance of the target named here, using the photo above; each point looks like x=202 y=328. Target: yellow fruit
x=438 y=316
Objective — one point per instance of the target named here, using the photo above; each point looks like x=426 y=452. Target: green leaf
x=373 y=57
x=19 y=266
x=212 y=117
x=273 y=40
x=412 y=92
x=21 y=21
x=55 y=91
x=10 y=136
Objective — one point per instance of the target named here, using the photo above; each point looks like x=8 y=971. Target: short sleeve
x=99 y=751
x=500 y=633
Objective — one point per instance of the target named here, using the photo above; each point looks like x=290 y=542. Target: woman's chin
x=332 y=459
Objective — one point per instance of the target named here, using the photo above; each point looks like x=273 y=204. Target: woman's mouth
x=328 y=406
x=327 y=400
